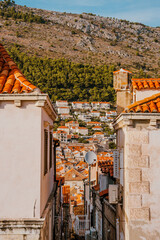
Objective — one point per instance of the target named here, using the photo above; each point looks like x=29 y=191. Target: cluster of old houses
x=125 y=196
x=85 y=111
x=39 y=194
x=70 y=165
x=72 y=132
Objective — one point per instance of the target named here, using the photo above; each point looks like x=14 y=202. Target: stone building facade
x=138 y=135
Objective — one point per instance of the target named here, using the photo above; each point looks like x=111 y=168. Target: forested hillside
x=63 y=79
x=73 y=56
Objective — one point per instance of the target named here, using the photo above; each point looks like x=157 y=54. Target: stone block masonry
x=21 y=229
x=139 y=214
x=137 y=166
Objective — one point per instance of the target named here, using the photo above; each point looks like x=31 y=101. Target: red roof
x=11 y=78
x=150 y=104
x=146 y=83
x=122 y=70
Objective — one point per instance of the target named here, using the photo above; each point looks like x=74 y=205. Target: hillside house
x=105 y=105
x=83 y=130
x=94 y=124
x=84 y=117
x=74 y=178
x=64 y=116
x=61 y=135
x=61 y=103
x=72 y=124
x=27 y=172
x=81 y=105
x=98 y=135
x=97 y=128
x=63 y=110
x=95 y=113
x=63 y=128
x=100 y=105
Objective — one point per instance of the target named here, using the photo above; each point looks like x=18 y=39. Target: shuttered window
x=116 y=164
x=50 y=150
x=45 y=151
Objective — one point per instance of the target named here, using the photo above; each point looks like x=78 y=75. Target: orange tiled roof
x=122 y=70
x=60 y=131
x=94 y=123
x=99 y=133
x=146 y=83
x=80 y=102
x=11 y=78
x=150 y=104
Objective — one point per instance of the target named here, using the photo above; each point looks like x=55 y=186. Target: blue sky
x=143 y=11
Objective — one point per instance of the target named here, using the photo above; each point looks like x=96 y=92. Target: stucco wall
x=47 y=180
x=140 y=95
x=20 y=145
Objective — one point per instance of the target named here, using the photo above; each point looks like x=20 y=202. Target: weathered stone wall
x=124 y=98
x=141 y=183
x=21 y=229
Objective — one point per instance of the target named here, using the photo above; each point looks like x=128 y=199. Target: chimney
x=122 y=86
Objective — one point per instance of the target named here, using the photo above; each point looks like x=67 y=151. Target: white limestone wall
x=20 y=153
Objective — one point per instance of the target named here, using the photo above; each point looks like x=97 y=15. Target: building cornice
x=126 y=119
x=41 y=100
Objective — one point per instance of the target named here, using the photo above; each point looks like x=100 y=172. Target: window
x=45 y=151
x=50 y=150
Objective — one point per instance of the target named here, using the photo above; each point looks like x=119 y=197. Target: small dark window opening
x=50 y=151
x=45 y=151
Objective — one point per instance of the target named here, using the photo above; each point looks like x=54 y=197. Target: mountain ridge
x=85 y=38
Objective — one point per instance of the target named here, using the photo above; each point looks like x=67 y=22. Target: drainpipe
x=84 y=197
x=117 y=229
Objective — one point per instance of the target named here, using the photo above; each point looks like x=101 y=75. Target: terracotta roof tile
x=150 y=104
x=122 y=70
x=146 y=83
x=11 y=78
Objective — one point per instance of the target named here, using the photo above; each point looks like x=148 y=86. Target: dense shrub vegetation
x=7 y=10
x=63 y=79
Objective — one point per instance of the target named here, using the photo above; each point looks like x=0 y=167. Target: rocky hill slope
x=83 y=38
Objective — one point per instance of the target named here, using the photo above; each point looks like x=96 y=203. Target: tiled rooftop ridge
x=150 y=105
x=146 y=83
x=11 y=78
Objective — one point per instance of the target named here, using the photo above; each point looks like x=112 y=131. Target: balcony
x=81 y=225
